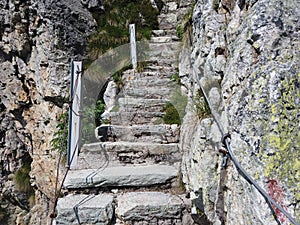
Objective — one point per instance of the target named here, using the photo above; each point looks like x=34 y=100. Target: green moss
x=175 y=109
x=185 y=24
x=171 y=114
x=202 y=107
x=216 y=4
x=91 y=118
x=113 y=24
x=22 y=179
x=22 y=183
x=116 y=108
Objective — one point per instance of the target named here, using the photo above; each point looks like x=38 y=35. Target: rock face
x=37 y=41
x=138 y=160
x=245 y=56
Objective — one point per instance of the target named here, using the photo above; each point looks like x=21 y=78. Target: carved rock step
x=164 y=133
x=136 y=104
x=157 y=33
x=91 y=209
x=148 y=92
x=129 y=118
x=149 y=206
x=163 y=51
x=122 y=146
x=168 y=21
x=121 y=176
x=164 y=39
x=98 y=155
x=152 y=68
x=149 y=79
x=149 y=73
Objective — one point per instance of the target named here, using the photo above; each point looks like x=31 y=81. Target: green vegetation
x=171 y=114
x=22 y=182
x=216 y=5
x=175 y=77
x=202 y=107
x=22 y=179
x=60 y=137
x=175 y=109
x=91 y=118
x=117 y=76
x=113 y=24
x=185 y=24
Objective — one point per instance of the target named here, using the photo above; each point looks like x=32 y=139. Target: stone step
x=150 y=207
x=147 y=92
x=121 y=176
x=164 y=133
x=135 y=118
x=168 y=21
x=163 y=51
x=164 y=39
x=149 y=79
x=141 y=104
x=101 y=154
x=157 y=33
x=131 y=75
x=90 y=209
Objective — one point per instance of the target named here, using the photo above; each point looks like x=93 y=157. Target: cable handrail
x=240 y=169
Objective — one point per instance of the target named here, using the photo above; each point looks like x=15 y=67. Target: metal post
x=75 y=114
x=133 y=46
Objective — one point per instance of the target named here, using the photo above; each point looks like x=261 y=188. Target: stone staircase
x=132 y=176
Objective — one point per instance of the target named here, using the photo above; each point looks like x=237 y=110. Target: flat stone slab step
x=164 y=39
x=164 y=133
x=151 y=79
x=145 y=206
x=142 y=105
x=147 y=92
x=122 y=176
x=163 y=32
x=137 y=102
x=99 y=155
x=130 y=118
x=163 y=51
x=122 y=146
x=90 y=209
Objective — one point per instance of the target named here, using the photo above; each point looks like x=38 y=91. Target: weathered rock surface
x=146 y=206
x=37 y=41
x=163 y=133
x=122 y=153
x=90 y=209
x=248 y=49
x=122 y=176
x=138 y=160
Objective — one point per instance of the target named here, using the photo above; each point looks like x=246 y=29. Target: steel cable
x=240 y=169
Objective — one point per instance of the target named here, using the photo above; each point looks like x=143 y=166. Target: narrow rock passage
x=133 y=177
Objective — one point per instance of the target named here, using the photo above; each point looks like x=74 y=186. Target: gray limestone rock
x=145 y=206
x=247 y=50
x=122 y=153
x=164 y=133
x=121 y=176
x=85 y=209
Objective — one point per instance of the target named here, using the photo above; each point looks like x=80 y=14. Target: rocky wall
x=38 y=39
x=250 y=49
